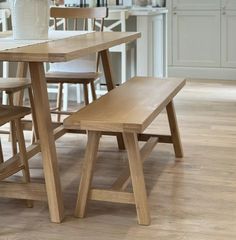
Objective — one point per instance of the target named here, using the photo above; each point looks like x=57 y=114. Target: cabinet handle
x=223 y=13
x=175 y=13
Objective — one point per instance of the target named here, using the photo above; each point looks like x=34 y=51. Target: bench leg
x=137 y=177
x=87 y=173
x=174 y=130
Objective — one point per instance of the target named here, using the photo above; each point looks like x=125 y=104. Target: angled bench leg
x=87 y=173
x=174 y=130
x=137 y=177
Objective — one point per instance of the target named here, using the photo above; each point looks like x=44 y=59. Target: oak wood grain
x=68 y=49
x=128 y=108
x=192 y=199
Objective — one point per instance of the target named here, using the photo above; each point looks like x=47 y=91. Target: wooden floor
x=193 y=198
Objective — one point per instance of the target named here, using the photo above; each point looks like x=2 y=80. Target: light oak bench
x=128 y=109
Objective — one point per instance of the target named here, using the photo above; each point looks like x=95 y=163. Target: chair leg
x=59 y=101
x=78 y=93
x=98 y=61
x=5 y=74
x=174 y=130
x=23 y=155
x=123 y=64
x=13 y=138
x=132 y=50
x=93 y=91
x=22 y=149
x=65 y=96
x=4 y=98
x=87 y=172
x=137 y=178
x=1 y=154
x=35 y=133
x=86 y=98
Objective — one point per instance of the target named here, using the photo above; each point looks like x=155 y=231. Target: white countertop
x=140 y=11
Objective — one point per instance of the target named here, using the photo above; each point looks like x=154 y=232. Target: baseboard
x=203 y=73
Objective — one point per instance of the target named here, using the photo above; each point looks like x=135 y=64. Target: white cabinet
x=196 y=38
x=151 y=47
x=228 y=4
x=202 y=38
x=228 y=47
x=196 y=4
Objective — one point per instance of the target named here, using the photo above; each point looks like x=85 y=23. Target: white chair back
x=116 y=19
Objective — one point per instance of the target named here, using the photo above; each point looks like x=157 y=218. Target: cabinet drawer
x=228 y=4
x=196 y=4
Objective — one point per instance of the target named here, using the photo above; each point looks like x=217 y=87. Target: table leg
x=107 y=69
x=110 y=85
x=22 y=68
x=47 y=143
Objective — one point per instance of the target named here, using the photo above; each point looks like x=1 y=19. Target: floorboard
x=191 y=198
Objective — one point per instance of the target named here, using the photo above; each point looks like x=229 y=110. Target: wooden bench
x=128 y=109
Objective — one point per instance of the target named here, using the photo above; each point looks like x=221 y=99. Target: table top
x=67 y=49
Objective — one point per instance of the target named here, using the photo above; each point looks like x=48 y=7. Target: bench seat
x=128 y=110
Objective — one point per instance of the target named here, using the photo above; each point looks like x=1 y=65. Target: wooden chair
x=11 y=86
x=116 y=21
x=74 y=77
x=19 y=161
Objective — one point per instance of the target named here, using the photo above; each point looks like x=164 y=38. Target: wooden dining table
x=35 y=54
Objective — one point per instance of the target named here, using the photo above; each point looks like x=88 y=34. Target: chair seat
x=9 y=113
x=14 y=84
x=72 y=77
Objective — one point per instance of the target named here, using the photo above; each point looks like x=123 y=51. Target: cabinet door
x=196 y=38
x=150 y=58
x=228 y=42
x=228 y=4
x=196 y=4
x=158 y=46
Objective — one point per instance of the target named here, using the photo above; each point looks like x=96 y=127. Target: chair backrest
x=75 y=13
x=116 y=20
x=3 y=19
